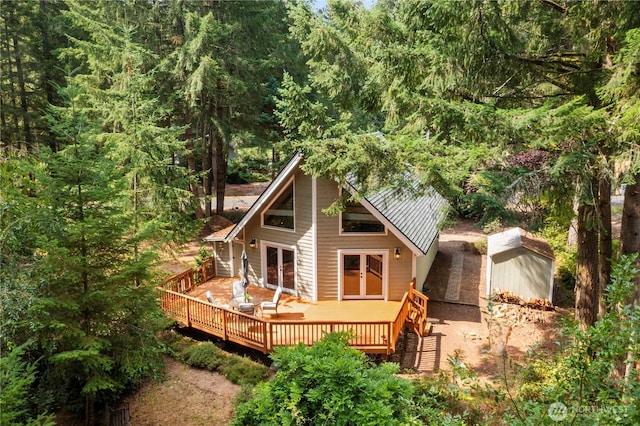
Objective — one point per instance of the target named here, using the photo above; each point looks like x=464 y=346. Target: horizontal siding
x=223 y=266
x=304 y=230
x=330 y=241
x=423 y=265
x=521 y=272
x=301 y=239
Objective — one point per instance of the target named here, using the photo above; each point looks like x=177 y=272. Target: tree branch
x=555 y=6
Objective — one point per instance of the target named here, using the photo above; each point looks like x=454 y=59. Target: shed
x=521 y=264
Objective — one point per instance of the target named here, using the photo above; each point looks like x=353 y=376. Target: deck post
x=266 y=337
x=188 y=312
x=225 y=320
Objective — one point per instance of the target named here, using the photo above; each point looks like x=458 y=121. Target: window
x=280 y=212
x=357 y=219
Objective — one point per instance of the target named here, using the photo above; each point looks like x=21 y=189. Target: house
x=372 y=250
x=521 y=264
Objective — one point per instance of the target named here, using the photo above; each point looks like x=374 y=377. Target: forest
x=122 y=123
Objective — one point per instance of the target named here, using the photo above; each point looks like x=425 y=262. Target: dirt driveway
x=458 y=312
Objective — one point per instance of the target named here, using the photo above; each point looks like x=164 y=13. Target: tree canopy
x=120 y=122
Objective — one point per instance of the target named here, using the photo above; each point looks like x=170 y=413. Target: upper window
x=357 y=219
x=280 y=212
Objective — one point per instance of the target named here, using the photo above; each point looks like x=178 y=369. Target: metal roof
x=515 y=238
x=412 y=217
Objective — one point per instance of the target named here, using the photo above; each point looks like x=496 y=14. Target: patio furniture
x=246 y=308
x=210 y=298
x=273 y=305
x=238 y=292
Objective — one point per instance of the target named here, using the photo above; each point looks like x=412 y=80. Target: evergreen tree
x=459 y=78
x=94 y=325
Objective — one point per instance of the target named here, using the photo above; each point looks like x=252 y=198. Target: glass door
x=363 y=275
x=280 y=267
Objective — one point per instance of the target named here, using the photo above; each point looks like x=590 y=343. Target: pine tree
x=93 y=323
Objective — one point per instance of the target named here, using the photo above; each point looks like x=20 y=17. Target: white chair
x=273 y=305
x=237 y=293
x=210 y=298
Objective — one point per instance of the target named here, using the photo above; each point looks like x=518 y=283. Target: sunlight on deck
x=292 y=308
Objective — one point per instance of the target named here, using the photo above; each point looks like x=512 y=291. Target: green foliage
x=203 y=254
x=206 y=355
x=251 y=165
x=446 y=397
x=329 y=383
x=587 y=374
x=555 y=232
x=16 y=399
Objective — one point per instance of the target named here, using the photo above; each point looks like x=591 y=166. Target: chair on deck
x=210 y=298
x=273 y=305
x=237 y=293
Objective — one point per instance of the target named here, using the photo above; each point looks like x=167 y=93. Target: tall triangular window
x=280 y=212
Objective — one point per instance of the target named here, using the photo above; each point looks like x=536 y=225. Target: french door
x=363 y=274
x=279 y=266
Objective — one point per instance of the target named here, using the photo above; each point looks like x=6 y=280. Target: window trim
x=342 y=232
x=275 y=198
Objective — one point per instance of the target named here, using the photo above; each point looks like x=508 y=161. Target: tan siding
x=301 y=239
x=521 y=272
x=423 y=265
x=330 y=241
x=223 y=266
x=304 y=232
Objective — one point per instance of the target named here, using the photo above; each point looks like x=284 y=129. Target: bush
x=16 y=380
x=206 y=355
x=329 y=383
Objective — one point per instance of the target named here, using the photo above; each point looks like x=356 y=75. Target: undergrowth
x=237 y=369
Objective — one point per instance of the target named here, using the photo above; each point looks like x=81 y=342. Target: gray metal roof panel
x=417 y=217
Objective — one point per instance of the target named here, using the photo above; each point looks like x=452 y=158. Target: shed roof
x=515 y=238
x=219 y=235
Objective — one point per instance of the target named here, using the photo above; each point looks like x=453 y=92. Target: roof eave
x=266 y=194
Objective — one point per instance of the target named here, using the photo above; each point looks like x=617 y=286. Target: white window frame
x=284 y=188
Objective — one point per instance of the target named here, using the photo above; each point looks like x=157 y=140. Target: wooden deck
x=375 y=324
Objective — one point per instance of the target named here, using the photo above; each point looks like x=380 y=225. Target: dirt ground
x=464 y=325
x=187 y=397
x=193 y=397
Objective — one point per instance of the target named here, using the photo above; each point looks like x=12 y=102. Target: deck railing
x=189 y=279
x=379 y=337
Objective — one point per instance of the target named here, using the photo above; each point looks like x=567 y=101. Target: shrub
x=206 y=355
x=329 y=383
x=243 y=371
x=16 y=380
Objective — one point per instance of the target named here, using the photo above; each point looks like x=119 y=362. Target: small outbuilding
x=521 y=264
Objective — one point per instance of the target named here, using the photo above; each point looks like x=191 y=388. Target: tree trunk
x=49 y=60
x=26 y=127
x=221 y=170
x=587 y=269
x=12 y=93
x=606 y=251
x=191 y=165
x=630 y=243
x=206 y=169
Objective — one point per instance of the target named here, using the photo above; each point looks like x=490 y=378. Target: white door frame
x=364 y=252
x=263 y=255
